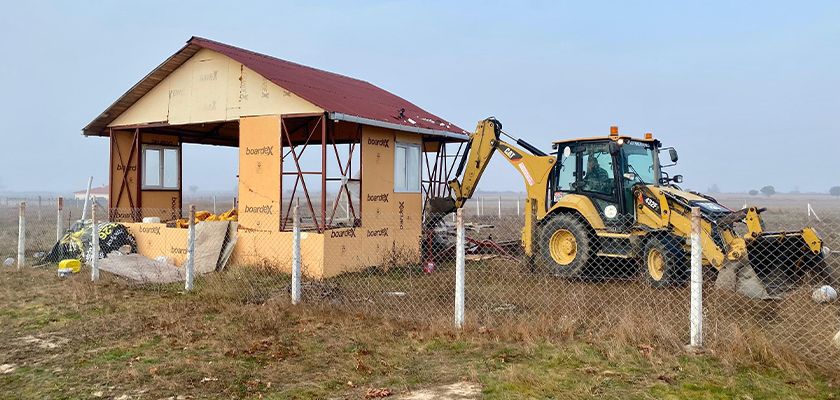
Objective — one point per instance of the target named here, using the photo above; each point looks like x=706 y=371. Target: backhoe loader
x=598 y=198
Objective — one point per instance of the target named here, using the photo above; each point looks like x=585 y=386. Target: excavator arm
x=483 y=143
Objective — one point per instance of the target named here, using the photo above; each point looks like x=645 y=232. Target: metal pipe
x=459 y=270
x=696 y=309
x=296 y=259
x=94 y=262
x=59 y=233
x=87 y=197
x=190 y=267
x=21 y=235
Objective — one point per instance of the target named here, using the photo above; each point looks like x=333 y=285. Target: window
x=407 y=167
x=160 y=167
x=597 y=164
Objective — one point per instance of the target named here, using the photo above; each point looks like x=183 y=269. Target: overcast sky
x=749 y=93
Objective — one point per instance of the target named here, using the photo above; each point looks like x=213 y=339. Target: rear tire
x=564 y=245
x=665 y=263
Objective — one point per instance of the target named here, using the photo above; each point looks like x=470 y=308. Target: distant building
x=98 y=193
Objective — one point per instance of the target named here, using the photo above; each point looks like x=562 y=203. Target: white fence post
x=21 y=235
x=191 y=251
x=214 y=205
x=296 y=256
x=87 y=198
x=459 y=270
x=500 y=207
x=59 y=233
x=696 y=313
x=517 y=204
x=94 y=242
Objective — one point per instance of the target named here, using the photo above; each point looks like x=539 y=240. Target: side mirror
x=678 y=178
x=673 y=153
x=630 y=176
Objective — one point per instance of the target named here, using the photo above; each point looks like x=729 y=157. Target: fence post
x=296 y=256
x=459 y=270
x=21 y=235
x=191 y=251
x=517 y=204
x=500 y=207
x=94 y=243
x=477 y=207
x=696 y=313
x=214 y=205
x=58 y=231
x=39 y=208
x=87 y=198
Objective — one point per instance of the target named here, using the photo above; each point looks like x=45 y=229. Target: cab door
x=598 y=180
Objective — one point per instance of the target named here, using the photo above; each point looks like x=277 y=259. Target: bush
x=835 y=191
x=753 y=192
x=768 y=191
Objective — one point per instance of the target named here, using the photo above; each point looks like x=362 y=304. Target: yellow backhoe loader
x=607 y=197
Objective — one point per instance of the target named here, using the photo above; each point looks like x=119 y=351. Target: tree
x=835 y=191
x=193 y=189
x=768 y=191
x=795 y=190
x=714 y=188
x=753 y=192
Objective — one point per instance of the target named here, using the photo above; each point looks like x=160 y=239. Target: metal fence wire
x=476 y=270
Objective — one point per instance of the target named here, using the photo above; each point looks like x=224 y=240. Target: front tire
x=564 y=244
x=665 y=263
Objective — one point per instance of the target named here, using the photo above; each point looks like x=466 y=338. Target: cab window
x=598 y=169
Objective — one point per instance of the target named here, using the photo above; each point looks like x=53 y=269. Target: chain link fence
x=616 y=282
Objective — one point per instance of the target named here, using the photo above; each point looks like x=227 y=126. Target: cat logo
x=511 y=154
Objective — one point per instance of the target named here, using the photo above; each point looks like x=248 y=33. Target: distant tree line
x=770 y=190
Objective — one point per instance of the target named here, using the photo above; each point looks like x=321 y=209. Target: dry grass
x=69 y=338
x=793 y=334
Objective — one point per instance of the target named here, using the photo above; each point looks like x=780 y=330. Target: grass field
x=69 y=338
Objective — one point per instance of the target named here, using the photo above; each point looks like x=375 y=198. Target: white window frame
x=409 y=147
x=161 y=150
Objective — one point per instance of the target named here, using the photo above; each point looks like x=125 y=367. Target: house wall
x=155 y=240
x=391 y=222
x=259 y=174
x=124 y=176
x=210 y=87
x=165 y=204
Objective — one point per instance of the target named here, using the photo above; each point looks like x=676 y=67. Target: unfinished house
x=359 y=160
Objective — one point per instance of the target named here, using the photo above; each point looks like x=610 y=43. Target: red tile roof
x=96 y=190
x=332 y=92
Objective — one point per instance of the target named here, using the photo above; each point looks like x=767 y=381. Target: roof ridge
x=266 y=56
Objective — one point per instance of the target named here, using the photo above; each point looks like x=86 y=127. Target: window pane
x=599 y=169
x=151 y=167
x=413 y=169
x=170 y=168
x=399 y=168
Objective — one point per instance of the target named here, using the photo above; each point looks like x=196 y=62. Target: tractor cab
x=605 y=169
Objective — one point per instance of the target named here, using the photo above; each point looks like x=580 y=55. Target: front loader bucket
x=775 y=262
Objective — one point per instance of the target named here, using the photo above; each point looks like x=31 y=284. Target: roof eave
x=390 y=125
